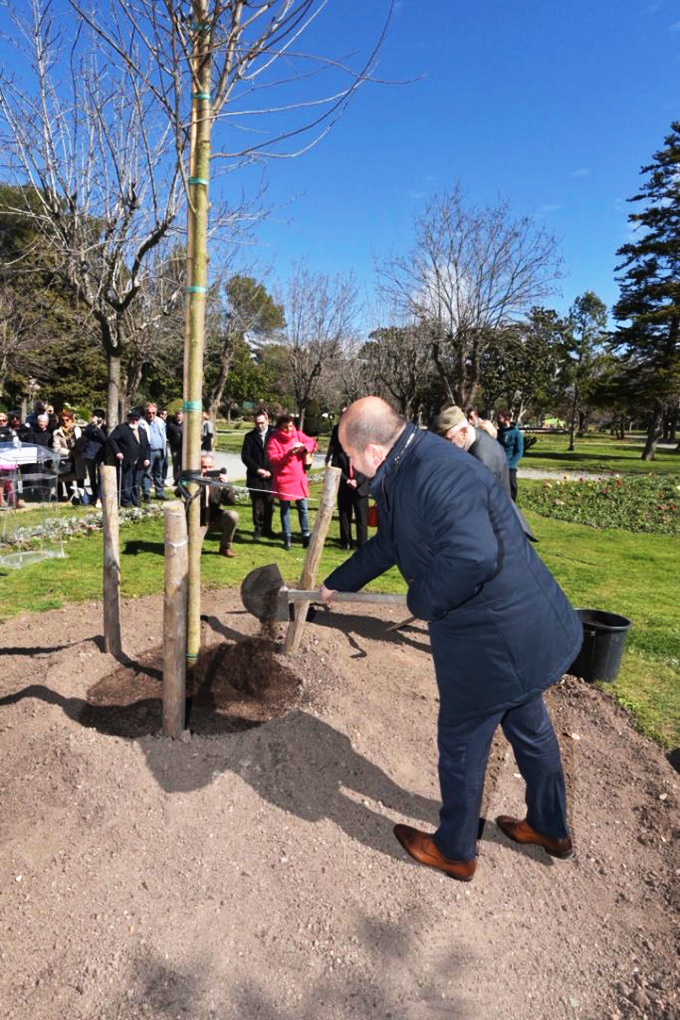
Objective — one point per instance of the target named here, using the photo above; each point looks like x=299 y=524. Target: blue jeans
x=154 y=473
x=303 y=516
x=463 y=755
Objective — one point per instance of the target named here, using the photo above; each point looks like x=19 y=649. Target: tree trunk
x=301 y=419
x=217 y=392
x=572 y=424
x=113 y=408
x=133 y=382
x=653 y=434
x=442 y=373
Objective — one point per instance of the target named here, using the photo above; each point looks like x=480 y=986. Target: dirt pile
x=249 y=870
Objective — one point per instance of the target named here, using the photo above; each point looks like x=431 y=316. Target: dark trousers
x=93 y=473
x=513 y=483
x=130 y=484
x=176 y=464
x=350 y=504
x=263 y=511
x=463 y=755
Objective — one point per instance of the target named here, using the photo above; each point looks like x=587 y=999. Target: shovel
x=266 y=596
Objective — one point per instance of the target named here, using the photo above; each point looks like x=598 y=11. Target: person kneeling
x=215 y=501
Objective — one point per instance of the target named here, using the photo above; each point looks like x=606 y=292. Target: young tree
x=242 y=64
x=471 y=271
x=648 y=308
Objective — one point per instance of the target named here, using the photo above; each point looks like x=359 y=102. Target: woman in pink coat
x=286 y=451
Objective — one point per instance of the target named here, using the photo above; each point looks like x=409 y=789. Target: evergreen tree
x=649 y=306
x=586 y=333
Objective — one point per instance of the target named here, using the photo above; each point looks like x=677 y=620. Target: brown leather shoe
x=521 y=832
x=228 y=552
x=423 y=849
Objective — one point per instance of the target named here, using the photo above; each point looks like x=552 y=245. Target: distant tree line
x=469 y=322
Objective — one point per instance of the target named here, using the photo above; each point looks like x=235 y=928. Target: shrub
x=649 y=503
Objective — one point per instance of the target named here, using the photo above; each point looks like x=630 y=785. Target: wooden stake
x=175 y=619
x=111 y=587
x=324 y=517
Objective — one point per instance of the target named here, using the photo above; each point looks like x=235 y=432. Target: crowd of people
x=142 y=447
x=147 y=446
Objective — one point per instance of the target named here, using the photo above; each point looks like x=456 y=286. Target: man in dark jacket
x=501 y=629
x=352 y=493
x=128 y=446
x=93 y=439
x=512 y=441
x=174 y=428
x=259 y=475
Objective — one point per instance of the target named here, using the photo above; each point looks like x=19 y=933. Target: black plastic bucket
x=604 y=636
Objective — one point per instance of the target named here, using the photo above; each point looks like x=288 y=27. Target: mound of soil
x=249 y=869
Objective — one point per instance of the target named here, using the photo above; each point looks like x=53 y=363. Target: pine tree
x=649 y=305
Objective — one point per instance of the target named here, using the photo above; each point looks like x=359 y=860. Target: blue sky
x=554 y=106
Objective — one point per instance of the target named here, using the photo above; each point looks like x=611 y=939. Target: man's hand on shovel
x=326 y=595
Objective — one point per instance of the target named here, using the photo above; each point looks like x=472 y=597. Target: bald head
x=368 y=430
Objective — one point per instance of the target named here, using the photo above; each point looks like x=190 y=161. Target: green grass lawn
x=631 y=574
x=597 y=453
x=635 y=575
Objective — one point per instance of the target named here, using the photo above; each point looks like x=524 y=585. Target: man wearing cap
x=128 y=446
x=452 y=424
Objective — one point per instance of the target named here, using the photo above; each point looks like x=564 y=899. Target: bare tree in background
x=154 y=323
x=101 y=185
x=470 y=271
x=18 y=340
x=320 y=313
x=397 y=365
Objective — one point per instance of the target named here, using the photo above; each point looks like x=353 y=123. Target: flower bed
x=631 y=503
x=58 y=528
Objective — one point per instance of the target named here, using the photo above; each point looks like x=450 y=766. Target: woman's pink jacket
x=289 y=478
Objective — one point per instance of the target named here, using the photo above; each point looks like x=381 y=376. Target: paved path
x=236 y=469
x=237 y=472
x=572 y=476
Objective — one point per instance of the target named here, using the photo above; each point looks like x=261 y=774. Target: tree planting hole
x=233 y=687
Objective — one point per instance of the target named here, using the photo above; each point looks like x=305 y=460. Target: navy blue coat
x=501 y=628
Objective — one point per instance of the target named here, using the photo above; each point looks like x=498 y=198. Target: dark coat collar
x=401 y=449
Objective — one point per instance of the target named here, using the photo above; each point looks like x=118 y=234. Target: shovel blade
x=260 y=592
